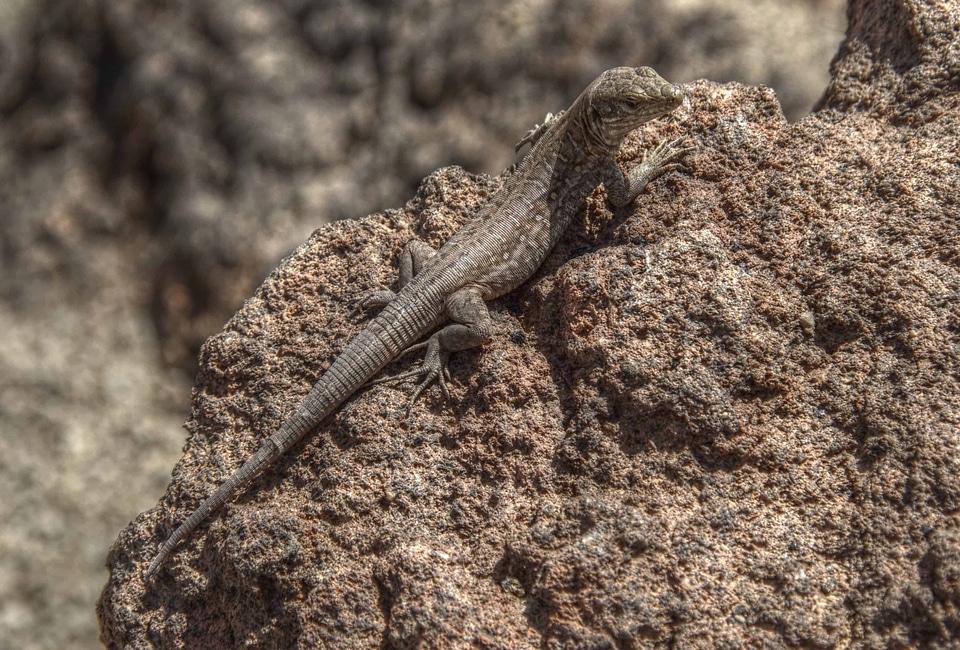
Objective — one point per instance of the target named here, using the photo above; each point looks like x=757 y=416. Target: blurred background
x=159 y=157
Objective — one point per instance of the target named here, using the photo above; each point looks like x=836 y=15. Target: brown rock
x=725 y=416
x=159 y=157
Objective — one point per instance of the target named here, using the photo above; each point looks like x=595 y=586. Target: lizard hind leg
x=471 y=327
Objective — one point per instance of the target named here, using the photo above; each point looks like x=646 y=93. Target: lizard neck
x=586 y=134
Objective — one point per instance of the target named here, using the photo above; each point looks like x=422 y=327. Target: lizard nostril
x=672 y=92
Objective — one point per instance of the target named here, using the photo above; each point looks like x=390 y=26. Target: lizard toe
x=432 y=369
x=377 y=299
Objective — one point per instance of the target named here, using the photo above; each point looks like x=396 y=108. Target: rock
x=731 y=419
x=159 y=157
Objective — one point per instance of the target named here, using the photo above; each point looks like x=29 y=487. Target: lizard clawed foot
x=534 y=134
x=377 y=299
x=433 y=368
x=661 y=158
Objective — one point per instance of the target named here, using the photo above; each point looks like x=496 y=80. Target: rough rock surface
x=159 y=157
x=726 y=416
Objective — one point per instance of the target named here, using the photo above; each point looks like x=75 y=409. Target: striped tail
x=371 y=350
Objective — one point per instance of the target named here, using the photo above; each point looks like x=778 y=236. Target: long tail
x=364 y=357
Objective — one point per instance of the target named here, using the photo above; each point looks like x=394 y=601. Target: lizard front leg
x=621 y=189
x=534 y=134
x=413 y=258
x=471 y=327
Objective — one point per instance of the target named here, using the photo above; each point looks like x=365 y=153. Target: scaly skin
x=501 y=247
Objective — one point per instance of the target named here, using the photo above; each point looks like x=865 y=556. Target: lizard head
x=621 y=99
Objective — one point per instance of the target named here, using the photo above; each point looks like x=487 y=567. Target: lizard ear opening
x=605 y=109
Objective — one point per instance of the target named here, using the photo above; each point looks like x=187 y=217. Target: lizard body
x=500 y=248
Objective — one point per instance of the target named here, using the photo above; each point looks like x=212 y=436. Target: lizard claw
x=432 y=369
x=528 y=137
x=662 y=157
x=534 y=134
x=429 y=376
x=372 y=300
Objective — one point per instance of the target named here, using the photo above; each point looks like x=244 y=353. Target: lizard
x=571 y=154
